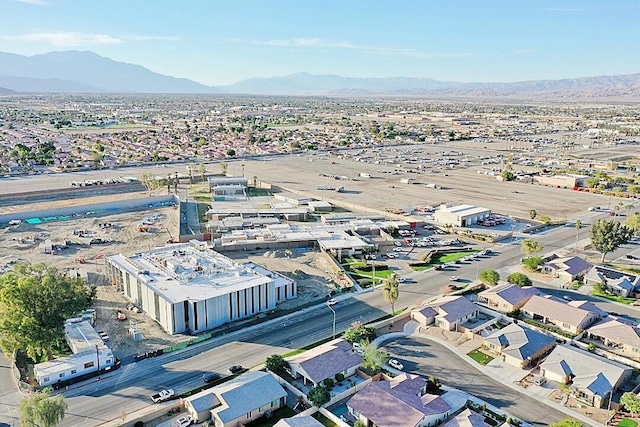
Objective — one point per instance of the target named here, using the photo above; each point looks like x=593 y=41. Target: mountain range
x=88 y=72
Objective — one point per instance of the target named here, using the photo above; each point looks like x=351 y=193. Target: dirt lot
x=458 y=186
x=25 y=242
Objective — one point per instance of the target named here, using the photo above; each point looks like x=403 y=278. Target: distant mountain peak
x=87 y=71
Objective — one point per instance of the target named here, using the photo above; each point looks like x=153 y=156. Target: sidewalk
x=497 y=370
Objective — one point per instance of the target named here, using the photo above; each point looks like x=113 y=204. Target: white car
x=454 y=278
x=183 y=421
x=396 y=364
x=332 y=301
x=397 y=244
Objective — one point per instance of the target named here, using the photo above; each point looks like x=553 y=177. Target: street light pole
x=334 y=321
x=98 y=360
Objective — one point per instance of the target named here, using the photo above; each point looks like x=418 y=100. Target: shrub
x=339 y=377
x=329 y=383
x=519 y=279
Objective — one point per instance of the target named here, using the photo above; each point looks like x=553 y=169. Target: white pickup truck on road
x=163 y=395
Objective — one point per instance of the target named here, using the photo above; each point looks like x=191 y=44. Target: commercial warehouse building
x=461 y=215
x=189 y=288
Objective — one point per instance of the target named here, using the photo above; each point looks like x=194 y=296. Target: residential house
x=325 y=361
x=568 y=268
x=617 y=332
x=299 y=421
x=402 y=402
x=446 y=313
x=592 y=378
x=238 y=401
x=467 y=418
x=506 y=297
x=571 y=317
x=616 y=282
x=520 y=346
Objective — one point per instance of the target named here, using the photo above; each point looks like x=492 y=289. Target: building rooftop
x=400 y=402
x=463 y=210
x=453 y=307
x=326 y=360
x=587 y=370
x=82 y=337
x=511 y=293
x=520 y=342
x=303 y=421
x=557 y=310
x=189 y=271
x=618 y=330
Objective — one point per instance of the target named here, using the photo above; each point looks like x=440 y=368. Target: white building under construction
x=189 y=288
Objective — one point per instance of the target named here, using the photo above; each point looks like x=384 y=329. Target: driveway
x=10 y=397
x=428 y=358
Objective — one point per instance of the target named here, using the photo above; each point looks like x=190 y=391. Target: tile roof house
x=592 y=378
x=401 y=402
x=467 y=418
x=573 y=317
x=568 y=268
x=617 y=282
x=520 y=346
x=617 y=332
x=236 y=402
x=446 y=313
x=299 y=421
x=506 y=297
x=325 y=361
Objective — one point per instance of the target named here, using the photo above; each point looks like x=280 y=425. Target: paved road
x=129 y=388
x=430 y=358
x=10 y=397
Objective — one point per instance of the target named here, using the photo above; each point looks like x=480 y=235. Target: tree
x=599 y=288
x=274 y=363
x=532 y=213
x=531 y=247
x=433 y=384
x=224 y=166
x=35 y=300
x=578 y=226
x=359 y=423
x=532 y=263
x=607 y=236
x=319 y=395
x=489 y=277
x=42 y=410
x=390 y=291
x=633 y=222
x=519 y=279
x=231 y=152
x=567 y=422
x=631 y=402
x=507 y=175
x=202 y=168
x=358 y=332
x=372 y=358
x=545 y=218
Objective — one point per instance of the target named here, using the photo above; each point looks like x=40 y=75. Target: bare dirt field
x=462 y=185
x=311 y=270
x=26 y=242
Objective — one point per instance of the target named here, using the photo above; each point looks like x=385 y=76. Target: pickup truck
x=163 y=395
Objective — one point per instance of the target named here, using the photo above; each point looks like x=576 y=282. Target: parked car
x=540 y=381
x=235 y=369
x=396 y=364
x=210 y=377
x=332 y=301
x=183 y=421
x=454 y=278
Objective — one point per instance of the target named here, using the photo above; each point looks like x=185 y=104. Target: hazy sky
x=220 y=42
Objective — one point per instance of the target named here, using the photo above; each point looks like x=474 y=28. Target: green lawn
x=480 y=357
x=324 y=420
x=450 y=257
x=627 y=423
x=616 y=298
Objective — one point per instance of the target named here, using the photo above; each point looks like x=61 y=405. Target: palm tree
x=224 y=166
x=202 y=168
x=578 y=225
x=391 y=291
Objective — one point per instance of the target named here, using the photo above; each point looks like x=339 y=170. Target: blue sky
x=220 y=42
